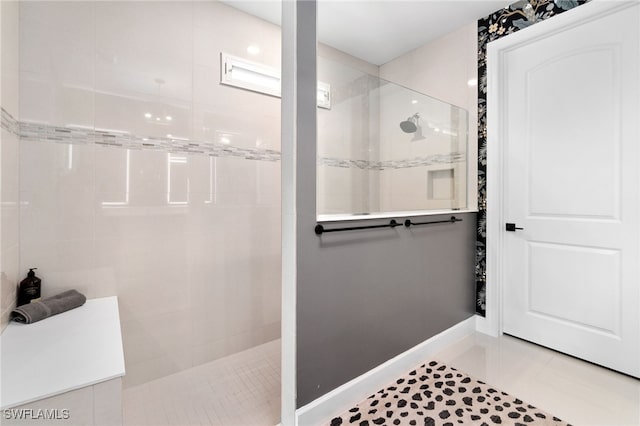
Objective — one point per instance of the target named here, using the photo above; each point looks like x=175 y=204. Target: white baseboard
x=323 y=409
x=487 y=326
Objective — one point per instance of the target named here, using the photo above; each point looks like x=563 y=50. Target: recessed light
x=472 y=82
x=225 y=140
x=253 y=49
x=169 y=135
x=147 y=115
x=157 y=118
x=414 y=101
x=168 y=118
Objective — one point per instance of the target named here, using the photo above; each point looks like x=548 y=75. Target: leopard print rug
x=435 y=394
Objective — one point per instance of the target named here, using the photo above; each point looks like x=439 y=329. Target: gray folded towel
x=44 y=308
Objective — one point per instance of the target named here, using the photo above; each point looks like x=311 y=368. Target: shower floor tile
x=241 y=389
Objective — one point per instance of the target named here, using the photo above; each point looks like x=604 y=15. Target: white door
x=569 y=123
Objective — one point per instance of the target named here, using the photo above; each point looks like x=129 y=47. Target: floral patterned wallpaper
x=499 y=24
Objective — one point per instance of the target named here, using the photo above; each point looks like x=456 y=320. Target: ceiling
x=381 y=30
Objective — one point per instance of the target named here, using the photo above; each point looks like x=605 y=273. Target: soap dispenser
x=29 y=288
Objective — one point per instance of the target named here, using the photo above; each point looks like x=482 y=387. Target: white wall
x=10 y=274
x=189 y=243
x=440 y=69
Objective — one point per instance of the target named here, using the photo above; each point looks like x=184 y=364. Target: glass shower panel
x=347 y=137
x=423 y=143
x=386 y=149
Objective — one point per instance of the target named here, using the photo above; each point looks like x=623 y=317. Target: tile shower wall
x=143 y=177
x=10 y=274
x=443 y=69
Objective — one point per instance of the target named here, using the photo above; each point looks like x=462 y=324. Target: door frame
x=492 y=324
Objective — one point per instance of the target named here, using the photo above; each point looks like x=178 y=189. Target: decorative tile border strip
x=345 y=163
x=9 y=123
x=38 y=132
x=77 y=135
x=454 y=157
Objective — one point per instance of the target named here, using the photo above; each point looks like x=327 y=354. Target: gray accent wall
x=361 y=297
x=364 y=297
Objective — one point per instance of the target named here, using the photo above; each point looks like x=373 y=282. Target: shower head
x=410 y=125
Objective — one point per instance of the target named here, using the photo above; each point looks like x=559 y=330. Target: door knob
x=511 y=227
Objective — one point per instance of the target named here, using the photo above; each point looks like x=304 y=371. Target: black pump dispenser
x=29 y=288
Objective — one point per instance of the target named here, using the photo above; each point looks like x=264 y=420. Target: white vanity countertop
x=74 y=349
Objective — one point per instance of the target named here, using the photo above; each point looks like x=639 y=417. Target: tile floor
x=576 y=391
x=244 y=389
x=241 y=389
